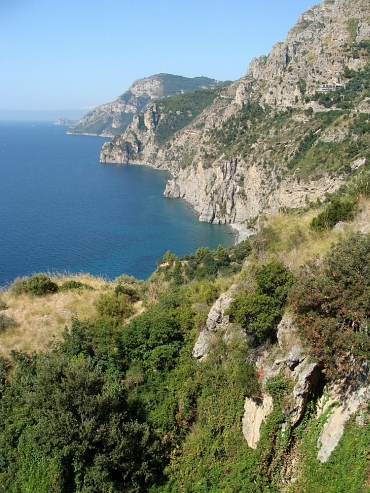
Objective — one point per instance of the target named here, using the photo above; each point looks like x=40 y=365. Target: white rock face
x=290 y=358
x=216 y=321
x=255 y=413
x=347 y=404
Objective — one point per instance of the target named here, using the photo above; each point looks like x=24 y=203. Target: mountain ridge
x=112 y=118
x=264 y=141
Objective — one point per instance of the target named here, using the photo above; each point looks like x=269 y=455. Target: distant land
x=64 y=121
x=113 y=118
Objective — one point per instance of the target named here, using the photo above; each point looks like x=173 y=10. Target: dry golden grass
x=296 y=243
x=41 y=320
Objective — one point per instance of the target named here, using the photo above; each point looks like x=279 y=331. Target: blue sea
x=63 y=211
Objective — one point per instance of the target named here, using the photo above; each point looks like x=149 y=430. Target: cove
x=63 y=211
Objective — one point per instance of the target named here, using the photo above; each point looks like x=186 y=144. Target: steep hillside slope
x=113 y=118
x=294 y=128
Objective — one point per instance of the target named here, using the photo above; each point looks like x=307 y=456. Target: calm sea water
x=61 y=210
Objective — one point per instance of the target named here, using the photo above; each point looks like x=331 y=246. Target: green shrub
x=70 y=285
x=114 y=308
x=332 y=303
x=260 y=312
x=274 y=279
x=6 y=322
x=38 y=285
x=279 y=386
x=3 y=305
x=128 y=291
x=338 y=210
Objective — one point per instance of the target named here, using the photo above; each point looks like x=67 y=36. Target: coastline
x=241 y=232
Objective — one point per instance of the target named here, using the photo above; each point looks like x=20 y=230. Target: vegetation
x=117 y=403
x=334 y=316
x=38 y=285
x=178 y=111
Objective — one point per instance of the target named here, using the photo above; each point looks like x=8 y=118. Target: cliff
x=279 y=137
x=113 y=118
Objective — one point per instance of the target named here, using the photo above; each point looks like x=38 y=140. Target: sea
x=61 y=211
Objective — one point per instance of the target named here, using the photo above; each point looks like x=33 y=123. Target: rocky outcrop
x=340 y=403
x=289 y=358
x=256 y=411
x=216 y=322
x=233 y=186
x=113 y=118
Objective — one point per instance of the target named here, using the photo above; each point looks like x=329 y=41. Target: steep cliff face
x=113 y=118
x=278 y=137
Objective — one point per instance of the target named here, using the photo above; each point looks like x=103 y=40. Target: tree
x=332 y=305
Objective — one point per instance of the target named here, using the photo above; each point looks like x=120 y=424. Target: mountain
x=64 y=121
x=293 y=129
x=232 y=370
x=113 y=118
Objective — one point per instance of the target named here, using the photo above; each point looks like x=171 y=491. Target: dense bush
x=129 y=291
x=71 y=285
x=206 y=264
x=114 y=308
x=38 y=285
x=338 y=210
x=260 y=312
x=332 y=303
x=66 y=427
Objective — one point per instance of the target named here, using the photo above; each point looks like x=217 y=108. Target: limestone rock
x=289 y=357
x=216 y=321
x=345 y=404
x=255 y=412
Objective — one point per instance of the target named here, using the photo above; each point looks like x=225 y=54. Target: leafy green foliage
x=38 y=285
x=339 y=209
x=114 y=307
x=205 y=264
x=178 y=111
x=67 y=427
x=71 y=285
x=259 y=313
x=332 y=306
x=278 y=386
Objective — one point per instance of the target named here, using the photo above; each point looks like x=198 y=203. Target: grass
x=294 y=242
x=40 y=320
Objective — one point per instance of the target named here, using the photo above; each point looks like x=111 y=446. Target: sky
x=63 y=57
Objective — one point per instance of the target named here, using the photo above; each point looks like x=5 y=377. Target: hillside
x=222 y=372
x=242 y=369
x=294 y=128
x=113 y=118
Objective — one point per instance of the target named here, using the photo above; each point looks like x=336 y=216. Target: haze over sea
x=63 y=211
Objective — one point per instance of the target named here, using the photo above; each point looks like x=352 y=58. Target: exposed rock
x=255 y=412
x=216 y=321
x=289 y=357
x=345 y=404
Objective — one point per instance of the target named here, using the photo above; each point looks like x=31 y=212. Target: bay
x=63 y=211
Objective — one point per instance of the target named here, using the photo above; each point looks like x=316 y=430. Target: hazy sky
x=75 y=54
